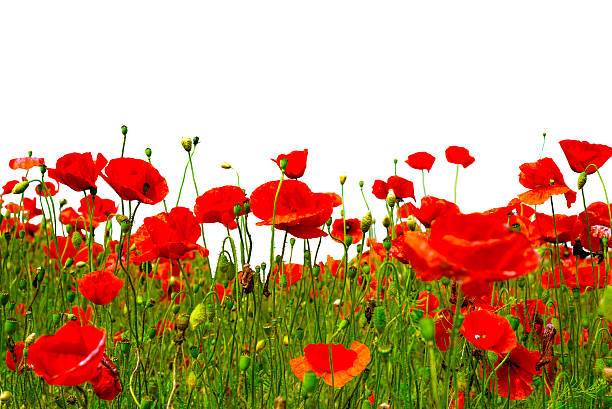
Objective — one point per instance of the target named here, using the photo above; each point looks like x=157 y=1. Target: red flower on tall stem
x=431 y=208
x=103 y=209
x=459 y=156
x=581 y=154
x=14 y=363
x=50 y=190
x=421 y=161
x=487 y=330
x=544 y=179
x=296 y=163
x=25 y=163
x=402 y=188
x=100 y=287
x=78 y=171
x=217 y=205
x=351 y=227
x=515 y=376
x=135 y=179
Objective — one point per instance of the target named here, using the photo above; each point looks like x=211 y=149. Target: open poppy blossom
x=421 y=161
x=14 y=362
x=351 y=227
x=581 y=154
x=544 y=179
x=168 y=235
x=347 y=363
x=67 y=250
x=292 y=272
x=100 y=287
x=296 y=163
x=427 y=302
x=70 y=357
x=299 y=211
x=25 y=163
x=402 y=188
x=459 y=156
x=598 y=215
x=567 y=228
x=431 y=207
x=8 y=187
x=135 y=179
x=49 y=189
x=487 y=330
x=78 y=171
x=105 y=382
x=519 y=368
x=217 y=205
x=103 y=209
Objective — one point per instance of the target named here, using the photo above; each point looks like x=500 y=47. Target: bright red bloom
x=67 y=250
x=105 y=383
x=103 y=209
x=222 y=291
x=431 y=207
x=296 y=163
x=168 y=235
x=443 y=327
x=293 y=273
x=347 y=363
x=599 y=215
x=459 y=156
x=520 y=368
x=14 y=362
x=462 y=246
x=402 y=188
x=487 y=330
x=25 y=163
x=8 y=187
x=421 y=161
x=78 y=171
x=51 y=189
x=576 y=274
x=217 y=205
x=70 y=357
x=135 y=179
x=581 y=154
x=100 y=287
x=352 y=228
x=568 y=228
x=334 y=266
x=545 y=180
x=82 y=316
x=299 y=211
x=427 y=302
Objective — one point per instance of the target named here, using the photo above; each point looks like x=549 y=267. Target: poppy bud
x=20 y=187
x=63 y=203
x=4 y=297
x=43 y=169
x=10 y=326
x=310 y=383
x=151 y=332
x=194 y=351
x=379 y=318
x=196 y=140
x=427 y=328
x=55 y=319
x=191 y=381
x=492 y=357
x=366 y=222
x=148 y=152
x=391 y=198
x=280 y=403
x=126 y=227
x=21 y=284
x=328 y=222
x=244 y=362
x=386 y=222
x=261 y=344
x=187 y=144
x=387 y=243
x=283 y=164
x=176 y=308
x=77 y=240
x=514 y=321
x=316 y=270
x=124 y=130
x=226 y=165
x=582 y=179
x=545 y=296
x=70 y=296
x=237 y=209
x=299 y=334
x=342 y=179
x=124 y=345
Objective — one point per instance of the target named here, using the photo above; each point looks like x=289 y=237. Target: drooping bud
x=77 y=240
x=226 y=166
x=20 y=187
x=198 y=316
x=386 y=222
x=582 y=179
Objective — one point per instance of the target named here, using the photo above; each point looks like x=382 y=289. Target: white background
x=357 y=83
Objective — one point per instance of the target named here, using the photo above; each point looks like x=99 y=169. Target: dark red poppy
x=299 y=211
x=168 y=235
x=421 y=161
x=217 y=205
x=519 y=368
x=14 y=362
x=431 y=207
x=459 y=156
x=78 y=171
x=135 y=179
x=25 y=163
x=352 y=227
x=296 y=163
x=544 y=179
x=487 y=330
x=51 y=189
x=70 y=357
x=105 y=382
x=581 y=154
x=100 y=287
x=8 y=187
x=402 y=188
x=462 y=246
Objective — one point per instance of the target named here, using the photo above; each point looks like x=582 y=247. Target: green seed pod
x=343 y=324
x=545 y=296
x=151 y=332
x=244 y=362
x=10 y=326
x=379 y=318
x=387 y=243
x=310 y=383
x=514 y=321
x=124 y=345
x=198 y=316
x=187 y=143
x=124 y=130
x=4 y=297
x=427 y=328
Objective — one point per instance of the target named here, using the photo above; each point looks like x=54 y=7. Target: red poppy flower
x=25 y=163
x=568 y=228
x=487 y=330
x=347 y=363
x=69 y=216
x=462 y=246
x=334 y=266
x=599 y=215
x=421 y=161
x=106 y=383
x=293 y=273
x=135 y=179
x=576 y=273
x=67 y=250
x=427 y=302
x=431 y=207
x=581 y=154
x=217 y=205
x=443 y=327
x=82 y=316
x=299 y=211
x=70 y=357
x=100 y=287
x=519 y=368
x=51 y=190
x=103 y=209
x=168 y=235
x=8 y=187
x=14 y=362
x=78 y=171
x=459 y=156
x=545 y=180
x=402 y=188
x=296 y=163
x=222 y=291
x=351 y=228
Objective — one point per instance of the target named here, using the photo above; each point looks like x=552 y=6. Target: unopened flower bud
x=124 y=130
x=63 y=203
x=391 y=198
x=20 y=187
x=148 y=152
x=386 y=222
x=366 y=222
x=196 y=140
x=182 y=322
x=226 y=166
x=582 y=179
x=283 y=164
x=187 y=144
x=77 y=240
x=342 y=179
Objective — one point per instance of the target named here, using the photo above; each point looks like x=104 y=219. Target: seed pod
x=182 y=322
x=379 y=318
x=427 y=328
x=310 y=383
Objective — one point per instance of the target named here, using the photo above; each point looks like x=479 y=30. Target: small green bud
x=10 y=326
x=283 y=164
x=427 y=328
x=148 y=152
x=582 y=179
x=379 y=318
x=20 y=187
x=124 y=130
x=70 y=296
x=244 y=362
x=310 y=383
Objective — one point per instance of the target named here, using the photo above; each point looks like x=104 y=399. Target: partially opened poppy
x=105 y=382
x=515 y=375
x=217 y=205
x=581 y=154
x=487 y=330
x=296 y=163
x=70 y=357
x=14 y=358
x=544 y=179
x=103 y=209
x=100 y=287
x=402 y=188
x=431 y=208
x=25 y=163
x=49 y=189
x=421 y=161
x=459 y=156
x=78 y=171
x=135 y=179
x=347 y=363
x=351 y=227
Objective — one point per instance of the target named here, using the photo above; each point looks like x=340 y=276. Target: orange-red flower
x=293 y=272
x=100 y=287
x=25 y=163
x=135 y=179
x=421 y=161
x=217 y=205
x=347 y=363
x=431 y=207
x=50 y=190
x=402 y=188
x=296 y=163
x=459 y=156
x=581 y=154
x=487 y=330
x=78 y=171
x=544 y=179
x=351 y=227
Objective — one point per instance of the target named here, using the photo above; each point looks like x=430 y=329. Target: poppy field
x=510 y=307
